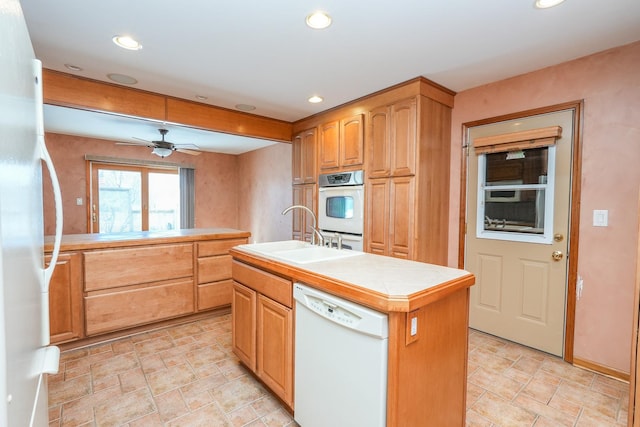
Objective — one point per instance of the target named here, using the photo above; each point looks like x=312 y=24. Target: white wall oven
x=341 y=208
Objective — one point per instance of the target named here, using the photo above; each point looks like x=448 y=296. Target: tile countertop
x=71 y=242
x=380 y=282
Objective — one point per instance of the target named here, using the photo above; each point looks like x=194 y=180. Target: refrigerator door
x=23 y=314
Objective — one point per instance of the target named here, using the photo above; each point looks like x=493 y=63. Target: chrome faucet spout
x=314 y=226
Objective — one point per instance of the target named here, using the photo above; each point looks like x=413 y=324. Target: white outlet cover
x=600 y=218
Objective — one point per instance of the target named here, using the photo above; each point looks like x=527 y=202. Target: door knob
x=557 y=255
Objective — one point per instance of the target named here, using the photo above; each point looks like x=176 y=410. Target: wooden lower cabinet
x=65 y=299
x=243 y=324
x=214 y=273
x=132 y=306
x=263 y=327
x=274 y=349
x=390 y=224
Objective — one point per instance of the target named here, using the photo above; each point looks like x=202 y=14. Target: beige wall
x=609 y=84
x=264 y=192
x=216 y=178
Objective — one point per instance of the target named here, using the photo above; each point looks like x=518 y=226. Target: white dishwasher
x=340 y=361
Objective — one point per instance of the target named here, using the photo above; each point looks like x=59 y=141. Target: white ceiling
x=261 y=53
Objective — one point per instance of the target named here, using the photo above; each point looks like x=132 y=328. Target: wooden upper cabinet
x=404 y=137
x=379 y=142
x=341 y=143
x=352 y=141
x=330 y=145
x=304 y=157
x=392 y=139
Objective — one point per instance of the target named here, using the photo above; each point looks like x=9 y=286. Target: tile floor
x=187 y=376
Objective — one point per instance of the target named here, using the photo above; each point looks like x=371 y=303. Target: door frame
x=574 y=204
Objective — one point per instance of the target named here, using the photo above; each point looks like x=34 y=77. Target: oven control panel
x=341 y=179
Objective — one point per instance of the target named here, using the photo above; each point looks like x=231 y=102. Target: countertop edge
x=367 y=297
x=76 y=242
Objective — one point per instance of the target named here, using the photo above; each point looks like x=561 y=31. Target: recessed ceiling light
x=245 y=107
x=545 y=4
x=122 y=78
x=201 y=97
x=315 y=99
x=318 y=20
x=73 y=67
x=127 y=42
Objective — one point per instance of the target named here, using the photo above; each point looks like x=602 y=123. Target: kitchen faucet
x=316 y=232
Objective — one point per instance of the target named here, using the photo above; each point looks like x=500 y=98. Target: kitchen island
x=426 y=375
x=107 y=285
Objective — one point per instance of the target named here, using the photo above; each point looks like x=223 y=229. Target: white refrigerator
x=25 y=354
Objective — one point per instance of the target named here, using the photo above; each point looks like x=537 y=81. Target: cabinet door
x=275 y=347
x=296 y=159
x=329 y=147
x=304 y=195
x=303 y=167
x=403 y=138
x=377 y=234
x=243 y=324
x=65 y=299
x=309 y=174
x=379 y=142
x=352 y=141
x=402 y=217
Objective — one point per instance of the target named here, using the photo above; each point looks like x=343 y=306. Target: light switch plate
x=600 y=218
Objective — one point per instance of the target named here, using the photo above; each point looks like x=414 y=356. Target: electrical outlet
x=79 y=201
x=600 y=218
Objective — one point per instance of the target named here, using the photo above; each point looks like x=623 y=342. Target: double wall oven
x=341 y=208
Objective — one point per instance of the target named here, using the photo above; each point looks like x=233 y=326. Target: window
x=127 y=198
x=515 y=195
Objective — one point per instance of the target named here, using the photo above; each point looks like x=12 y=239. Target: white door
x=518 y=210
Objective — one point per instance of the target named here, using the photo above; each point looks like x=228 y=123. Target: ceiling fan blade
x=185 y=151
x=137 y=144
x=144 y=140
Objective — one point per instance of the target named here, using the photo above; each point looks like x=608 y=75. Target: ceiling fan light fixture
x=318 y=20
x=162 y=151
x=545 y=4
x=127 y=42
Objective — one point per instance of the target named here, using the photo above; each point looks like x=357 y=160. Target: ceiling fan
x=164 y=148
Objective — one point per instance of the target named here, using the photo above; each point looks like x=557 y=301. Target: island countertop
x=74 y=242
x=383 y=283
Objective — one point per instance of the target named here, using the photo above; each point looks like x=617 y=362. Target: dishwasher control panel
x=332 y=311
x=340 y=311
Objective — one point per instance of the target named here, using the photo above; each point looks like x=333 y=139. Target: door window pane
x=119 y=194
x=515 y=195
x=164 y=201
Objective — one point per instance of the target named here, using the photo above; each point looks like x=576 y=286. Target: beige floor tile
x=208 y=416
x=66 y=391
x=237 y=393
x=127 y=407
x=171 y=378
x=188 y=376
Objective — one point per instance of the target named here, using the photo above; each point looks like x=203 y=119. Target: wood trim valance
x=515 y=141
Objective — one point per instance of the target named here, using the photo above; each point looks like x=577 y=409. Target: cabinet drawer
x=274 y=287
x=213 y=269
x=212 y=295
x=121 y=267
x=131 y=307
x=218 y=247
